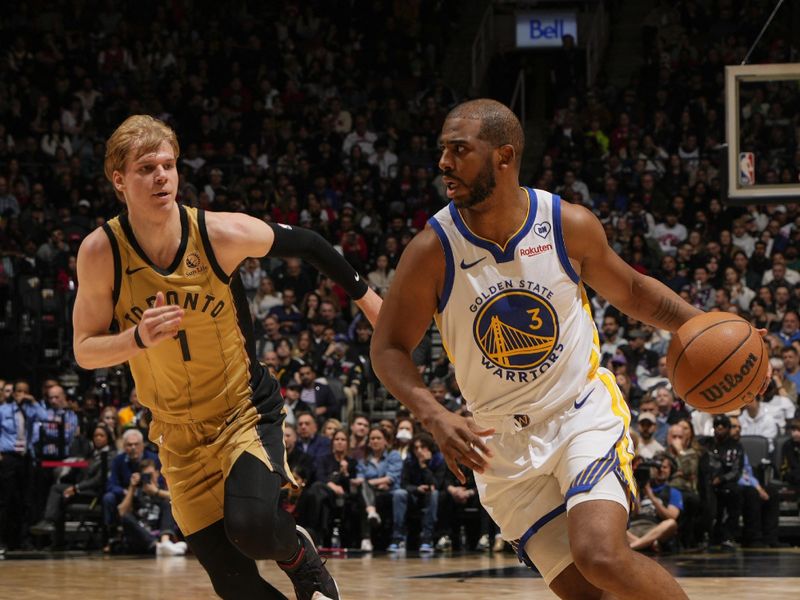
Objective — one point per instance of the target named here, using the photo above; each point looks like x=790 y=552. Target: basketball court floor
x=744 y=575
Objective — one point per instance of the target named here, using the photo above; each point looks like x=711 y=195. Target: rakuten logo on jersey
x=534 y=250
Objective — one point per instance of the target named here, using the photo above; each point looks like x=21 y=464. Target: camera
x=146 y=478
x=642 y=471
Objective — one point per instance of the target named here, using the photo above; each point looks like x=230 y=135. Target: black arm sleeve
x=297 y=242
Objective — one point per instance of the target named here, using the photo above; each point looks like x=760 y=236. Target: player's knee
x=595 y=565
x=256 y=531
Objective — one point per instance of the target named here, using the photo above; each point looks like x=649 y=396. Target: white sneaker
x=483 y=543
x=444 y=543
x=180 y=548
x=167 y=548
x=374 y=519
x=366 y=545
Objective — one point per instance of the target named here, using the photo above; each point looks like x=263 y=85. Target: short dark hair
x=424 y=439
x=499 y=124
x=789 y=349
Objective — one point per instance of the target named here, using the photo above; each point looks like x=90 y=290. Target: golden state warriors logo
x=516 y=330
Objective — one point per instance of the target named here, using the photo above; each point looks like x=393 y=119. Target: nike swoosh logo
x=358 y=277
x=583 y=400
x=472 y=264
x=129 y=271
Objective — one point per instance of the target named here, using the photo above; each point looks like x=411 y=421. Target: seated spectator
x=344 y=372
x=359 y=430
x=757 y=420
x=790 y=328
x=122 y=467
x=293 y=403
x=85 y=485
x=438 y=388
x=297 y=460
x=760 y=507
x=403 y=436
x=791 y=372
x=790 y=467
x=329 y=427
x=289 y=317
x=310 y=441
x=421 y=480
x=317 y=395
x=655 y=517
x=682 y=447
x=326 y=501
x=670 y=410
x=775 y=400
x=146 y=514
x=382 y=276
x=264 y=299
x=641 y=361
x=287 y=366
x=377 y=474
x=110 y=417
x=726 y=463
x=133 y=414
x=648 y=445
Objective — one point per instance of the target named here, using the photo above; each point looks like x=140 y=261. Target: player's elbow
x=84 y=357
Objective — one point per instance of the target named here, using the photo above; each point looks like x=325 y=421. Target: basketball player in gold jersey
x=159 y=289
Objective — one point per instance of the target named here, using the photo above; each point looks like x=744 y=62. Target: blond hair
x=136 y=136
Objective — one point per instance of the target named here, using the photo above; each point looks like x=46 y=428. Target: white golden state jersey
x=515 y=320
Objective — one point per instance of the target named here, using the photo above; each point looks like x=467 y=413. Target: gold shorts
x=197 y=457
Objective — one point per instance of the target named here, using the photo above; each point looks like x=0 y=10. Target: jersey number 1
x=181 y=337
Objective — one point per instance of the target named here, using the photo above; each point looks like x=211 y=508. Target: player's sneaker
x=309 y=576
x=444 y=543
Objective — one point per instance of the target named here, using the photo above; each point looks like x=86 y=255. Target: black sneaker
x=310 y=578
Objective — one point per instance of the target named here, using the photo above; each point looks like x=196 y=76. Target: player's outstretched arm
x=93 y=345
x=405 y=317
x=235 y=236
x=637 y=295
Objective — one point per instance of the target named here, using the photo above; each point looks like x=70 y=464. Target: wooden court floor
x=377 y=577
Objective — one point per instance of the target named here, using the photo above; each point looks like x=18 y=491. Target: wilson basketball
x=717 y=362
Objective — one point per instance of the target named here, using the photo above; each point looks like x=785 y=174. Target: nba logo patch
x=516 y=329
x=747 y=168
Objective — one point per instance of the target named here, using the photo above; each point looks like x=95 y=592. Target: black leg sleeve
x=254 y=520
x=233 y=575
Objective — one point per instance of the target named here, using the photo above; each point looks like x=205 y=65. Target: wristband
x=137 y=338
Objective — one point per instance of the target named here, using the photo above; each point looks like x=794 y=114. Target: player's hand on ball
x=459 y=439
x=160 y=322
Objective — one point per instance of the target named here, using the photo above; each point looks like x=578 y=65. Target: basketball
x=717 y=362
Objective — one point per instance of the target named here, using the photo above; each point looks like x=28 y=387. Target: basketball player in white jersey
x=500 y=269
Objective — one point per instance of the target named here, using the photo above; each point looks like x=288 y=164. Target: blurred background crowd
x=326 y=115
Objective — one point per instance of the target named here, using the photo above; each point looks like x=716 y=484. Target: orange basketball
x=717 y=362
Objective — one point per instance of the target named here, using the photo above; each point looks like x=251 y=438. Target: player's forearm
x=96 y=352
x=652 y=302
x=397 y=372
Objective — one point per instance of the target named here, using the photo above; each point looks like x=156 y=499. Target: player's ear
x=508 y=156
x=118 y=181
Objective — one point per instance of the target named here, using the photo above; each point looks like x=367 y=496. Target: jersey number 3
x=181 y=337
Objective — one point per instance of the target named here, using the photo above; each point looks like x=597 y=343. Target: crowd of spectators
x=327 y=116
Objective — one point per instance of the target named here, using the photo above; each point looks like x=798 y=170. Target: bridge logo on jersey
x=516 y=330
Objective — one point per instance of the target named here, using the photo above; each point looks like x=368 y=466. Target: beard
x=481 y=188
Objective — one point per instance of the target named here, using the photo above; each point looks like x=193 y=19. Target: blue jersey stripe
x=561 y=247
x=449 y=267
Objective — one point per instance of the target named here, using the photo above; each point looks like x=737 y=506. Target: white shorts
x=540 y=471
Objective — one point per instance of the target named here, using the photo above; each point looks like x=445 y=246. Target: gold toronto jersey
x=205 y=371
